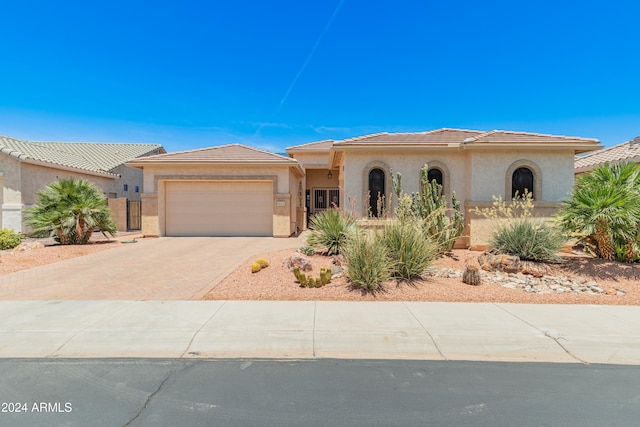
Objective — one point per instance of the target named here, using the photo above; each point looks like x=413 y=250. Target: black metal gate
x=134 y=215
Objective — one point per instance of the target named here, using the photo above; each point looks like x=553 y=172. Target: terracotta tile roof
x=232 y=153
x=629 y=150
x=448 y=136
x=88 y=156
x=497 y=136
x=319 y=145
x=438 y=136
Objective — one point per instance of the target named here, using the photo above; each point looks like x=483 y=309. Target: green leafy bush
x=528 y=239
x=9 y=239
x=409 y=250
x=330 y=230
x=367 y=263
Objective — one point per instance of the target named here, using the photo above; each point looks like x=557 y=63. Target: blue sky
x=192 y=74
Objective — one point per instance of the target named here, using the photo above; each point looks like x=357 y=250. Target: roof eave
x=69 y=168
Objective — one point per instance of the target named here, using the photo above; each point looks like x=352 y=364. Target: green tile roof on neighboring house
x=97 y=158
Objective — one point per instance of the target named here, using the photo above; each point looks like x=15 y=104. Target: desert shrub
x=263 y=263
x=528 y=239
x=9 y=239
x=330 y=230
x=517 y=233
x=367 y=263
x=255 y=267
x=307 y=250
x=409 y=250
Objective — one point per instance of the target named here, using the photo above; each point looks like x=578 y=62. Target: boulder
x=28 y=246
x=492 y=261
x=297 y=260
x=536 y=269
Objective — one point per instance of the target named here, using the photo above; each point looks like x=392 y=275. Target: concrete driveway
x=168 y=268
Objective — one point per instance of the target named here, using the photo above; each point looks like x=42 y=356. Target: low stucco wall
x=478 y=229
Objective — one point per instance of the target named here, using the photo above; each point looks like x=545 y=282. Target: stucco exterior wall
x=317 y=178
x=132 y=177
x=151 y=171
x=313 y=160
x=489 y=170
x=35 y=178
x=10 y=176
x=409 y=164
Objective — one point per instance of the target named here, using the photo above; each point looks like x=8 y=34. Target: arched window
x=376 y=190
x=435 y=173
x=521 y=180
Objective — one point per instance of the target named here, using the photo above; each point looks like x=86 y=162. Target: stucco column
x=282 y=221
x=150 y=221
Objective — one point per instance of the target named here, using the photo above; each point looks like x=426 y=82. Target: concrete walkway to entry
x=168 y=268
x=321 y=329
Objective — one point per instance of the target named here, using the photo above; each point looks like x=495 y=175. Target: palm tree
x=605 y=209
x=69 y=210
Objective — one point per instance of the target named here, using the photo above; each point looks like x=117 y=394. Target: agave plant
x=69 y=210
x=604 y=210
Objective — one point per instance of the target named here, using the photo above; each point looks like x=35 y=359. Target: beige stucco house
x=27 y=167
x=238 y=190
x=626 y=152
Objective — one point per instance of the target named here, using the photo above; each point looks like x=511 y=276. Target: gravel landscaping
x=579 y=280
x=582 y=280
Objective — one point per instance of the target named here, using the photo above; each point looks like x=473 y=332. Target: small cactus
x=296 y=273
x=255 y=267
x=471 y=275
x=303 y=280
x=262 y=262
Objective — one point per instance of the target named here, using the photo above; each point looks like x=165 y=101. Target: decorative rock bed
x=539 y=285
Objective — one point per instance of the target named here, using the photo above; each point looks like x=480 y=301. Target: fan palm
x=69 y=210
x=605 y=208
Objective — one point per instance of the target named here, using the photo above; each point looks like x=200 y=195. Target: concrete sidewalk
x=321 y=329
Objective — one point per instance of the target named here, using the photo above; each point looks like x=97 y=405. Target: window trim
x=376 y=164
x=537 y=178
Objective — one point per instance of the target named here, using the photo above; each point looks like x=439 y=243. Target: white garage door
x=213 y=208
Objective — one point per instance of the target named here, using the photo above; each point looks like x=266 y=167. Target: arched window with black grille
x=522 y=182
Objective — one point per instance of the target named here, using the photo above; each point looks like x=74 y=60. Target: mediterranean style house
x=235 y=190
x=27 y=167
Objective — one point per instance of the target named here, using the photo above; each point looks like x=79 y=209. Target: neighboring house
x=476 y=165
x=27 y=167
x=626 y=152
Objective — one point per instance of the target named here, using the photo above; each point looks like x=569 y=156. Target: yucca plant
x=69 y=210
x=367 y=263
x=409 y=250
x=604 y=210
x=330 y=230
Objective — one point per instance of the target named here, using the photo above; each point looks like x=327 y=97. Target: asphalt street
x=325 y=392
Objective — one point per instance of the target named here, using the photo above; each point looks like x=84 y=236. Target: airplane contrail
x=313 y=51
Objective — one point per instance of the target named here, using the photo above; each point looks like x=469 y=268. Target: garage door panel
x=208 y=208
